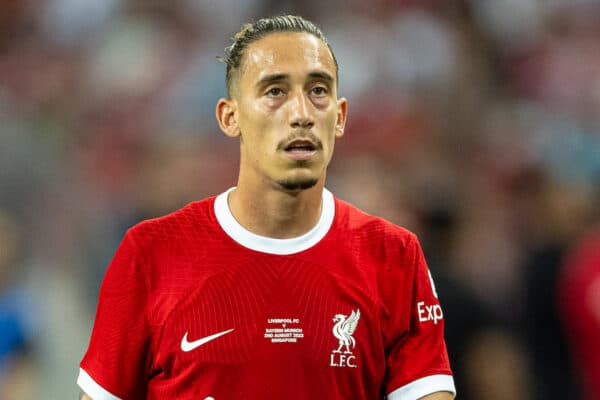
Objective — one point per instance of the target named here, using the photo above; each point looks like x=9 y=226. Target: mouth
x=301 y=149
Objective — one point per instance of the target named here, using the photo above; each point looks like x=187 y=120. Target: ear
x=342 y=112
x=226 y=113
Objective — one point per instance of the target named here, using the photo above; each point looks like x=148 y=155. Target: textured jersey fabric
x=193 y=306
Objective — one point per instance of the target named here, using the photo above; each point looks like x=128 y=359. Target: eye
x=319 y=90
x=274 y=92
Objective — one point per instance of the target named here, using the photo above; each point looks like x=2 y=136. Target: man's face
x=288 y=113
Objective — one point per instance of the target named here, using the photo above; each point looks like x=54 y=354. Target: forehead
x=286 y=53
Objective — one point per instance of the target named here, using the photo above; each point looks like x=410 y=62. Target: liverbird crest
x=343 y=329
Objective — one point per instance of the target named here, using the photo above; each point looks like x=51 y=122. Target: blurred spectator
x=475 y=332
x=544 y=332
x=16 y=315
x=579 y=305
x=552 y=217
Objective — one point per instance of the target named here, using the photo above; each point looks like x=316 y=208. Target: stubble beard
x=298 y=183
x=294 y=185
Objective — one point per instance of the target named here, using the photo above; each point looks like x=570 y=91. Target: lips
x=300 y=149
x=301 y=145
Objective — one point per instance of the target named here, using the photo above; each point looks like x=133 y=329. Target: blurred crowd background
x=476 y=124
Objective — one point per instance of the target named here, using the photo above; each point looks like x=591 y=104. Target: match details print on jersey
x=289 y=330
x=283 y=330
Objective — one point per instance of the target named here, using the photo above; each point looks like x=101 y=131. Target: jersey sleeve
x=417 y=360
x=116 y=362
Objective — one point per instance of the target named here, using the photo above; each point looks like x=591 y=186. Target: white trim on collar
x=270 y=245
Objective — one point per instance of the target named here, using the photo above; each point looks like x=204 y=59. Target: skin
x=284 y=91
x=266 y=114
x=439 y=396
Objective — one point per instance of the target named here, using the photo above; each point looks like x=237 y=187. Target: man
x=274 y=289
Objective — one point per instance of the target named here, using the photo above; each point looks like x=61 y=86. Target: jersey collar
x=269 y=245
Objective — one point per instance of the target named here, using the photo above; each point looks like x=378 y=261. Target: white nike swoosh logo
x=189 y=346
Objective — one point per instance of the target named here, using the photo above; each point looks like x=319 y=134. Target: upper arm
x=439 y=396
x=417 y=359
x=116 y=362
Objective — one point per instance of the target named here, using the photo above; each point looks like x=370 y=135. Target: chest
x=270 y=325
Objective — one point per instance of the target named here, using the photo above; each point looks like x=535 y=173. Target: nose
x=300 y=111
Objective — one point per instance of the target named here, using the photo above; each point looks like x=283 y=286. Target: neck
x=276 y=213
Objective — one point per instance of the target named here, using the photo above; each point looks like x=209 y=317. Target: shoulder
x=184 y=223
x=375 y=240
x=370 y=228
x=152 y=250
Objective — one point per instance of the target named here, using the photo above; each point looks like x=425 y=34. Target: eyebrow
x=320 y=75
x=272 y=78
x=268 y=79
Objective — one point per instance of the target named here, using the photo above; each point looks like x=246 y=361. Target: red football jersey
x=196 y=307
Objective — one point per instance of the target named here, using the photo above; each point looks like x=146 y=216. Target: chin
x=297 y=184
